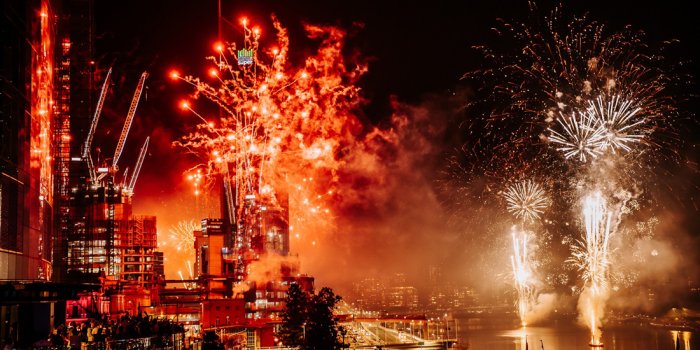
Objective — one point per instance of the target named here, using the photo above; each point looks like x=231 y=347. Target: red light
x=219 y=47
x=174 y=74
x=275 y=51
x=256 y=30
x=184 y=104
x=244 y=21
x=213 y=72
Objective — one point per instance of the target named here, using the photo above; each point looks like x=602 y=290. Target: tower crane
x=93 y=126
x=129 y=119
x=137 y=168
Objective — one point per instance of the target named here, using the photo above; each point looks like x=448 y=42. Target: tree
x=294 y=317
x=308 y=320
x=322 y=327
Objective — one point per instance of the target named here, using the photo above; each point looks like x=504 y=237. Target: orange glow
x=174 y=74
x=219 y=47
x=184 y=104
x=280 y=128
x=244 y=21
x=213 y=72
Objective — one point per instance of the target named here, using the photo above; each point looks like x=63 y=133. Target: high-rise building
x=76 y=74
x=27 y=298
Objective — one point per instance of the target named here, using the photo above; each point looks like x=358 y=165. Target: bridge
x=362 y=330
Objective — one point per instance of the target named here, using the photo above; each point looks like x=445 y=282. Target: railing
x=174 y=342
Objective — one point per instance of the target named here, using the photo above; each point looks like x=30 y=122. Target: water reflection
x=681 y=337
x=503 y=334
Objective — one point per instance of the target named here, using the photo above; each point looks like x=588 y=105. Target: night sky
x=414 y=50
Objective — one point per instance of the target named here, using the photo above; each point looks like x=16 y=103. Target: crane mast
x=137 y=168
x=96 y=116
x=129 y=119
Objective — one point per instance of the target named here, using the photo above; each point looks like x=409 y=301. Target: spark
x=526 y=200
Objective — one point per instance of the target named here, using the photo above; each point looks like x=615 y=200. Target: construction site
x=96 y=258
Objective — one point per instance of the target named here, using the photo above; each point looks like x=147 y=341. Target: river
x=499 y=334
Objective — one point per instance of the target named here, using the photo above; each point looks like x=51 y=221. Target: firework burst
x=580 y=137
x=181 y=236
x=281 y=125
x=526 y=200
x=557 y=80
x=618 y=121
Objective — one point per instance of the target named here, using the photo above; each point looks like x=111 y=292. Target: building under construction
x=242 y=272
x=101 y=241
x=67 y=232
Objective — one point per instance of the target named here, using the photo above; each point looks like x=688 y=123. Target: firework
x=280 y=126
x=182 y=236
x=618 y=122
x=522 y=274
x=580 y=137
x=526 y=200
x=547 y=74
x=590 y=256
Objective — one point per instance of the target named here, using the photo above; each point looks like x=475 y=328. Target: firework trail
x=591 y=257
x=522 y=274
x=526 y=200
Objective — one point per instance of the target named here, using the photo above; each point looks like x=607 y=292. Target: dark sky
x=395 y=35
x=414 y=49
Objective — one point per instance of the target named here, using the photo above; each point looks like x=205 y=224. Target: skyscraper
x=27 y=39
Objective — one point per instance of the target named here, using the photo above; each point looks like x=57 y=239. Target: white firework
x=618 y=122
x=526 y=200
x=580 y=136
x=523 y=275
x=182 y=235
x=591 y=256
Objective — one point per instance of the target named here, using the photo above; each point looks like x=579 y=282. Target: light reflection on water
x=500 y=334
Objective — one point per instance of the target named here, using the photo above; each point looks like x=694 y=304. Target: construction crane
x=129 y=119
x=137 y=168
x=93 y=125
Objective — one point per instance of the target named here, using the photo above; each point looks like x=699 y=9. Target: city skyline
x=533 y=159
